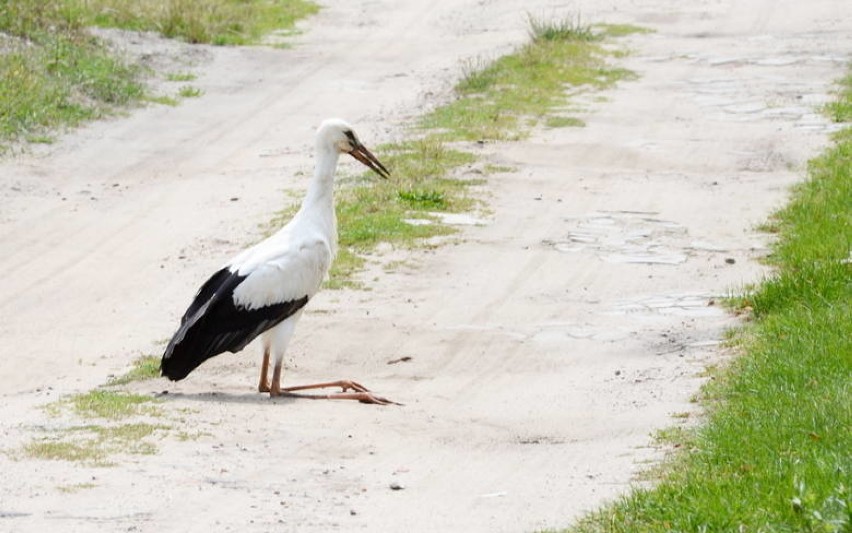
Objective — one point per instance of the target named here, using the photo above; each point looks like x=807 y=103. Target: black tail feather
x=213 y=325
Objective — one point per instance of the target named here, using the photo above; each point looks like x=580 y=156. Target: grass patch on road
x=497 y=101
x=94 y=444
x=144 y=368
x=107 y=404
x=220 y=22
x=188 y=91
x=180 y=76
x=112 y=427
x=380 y=211
x=776 y=452
x=502 y=100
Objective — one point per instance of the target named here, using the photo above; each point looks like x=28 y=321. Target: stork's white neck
x=318 y=206
x=321 y=188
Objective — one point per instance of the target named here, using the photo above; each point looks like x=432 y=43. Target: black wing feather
x=213 y=324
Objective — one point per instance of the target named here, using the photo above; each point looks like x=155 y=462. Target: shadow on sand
x=225 y=397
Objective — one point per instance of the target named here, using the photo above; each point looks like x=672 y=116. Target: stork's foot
x=345 y=385
x=363 y=397
x=264 y=387
x=359 y=392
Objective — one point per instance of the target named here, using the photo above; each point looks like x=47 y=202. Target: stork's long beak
x=363 y=155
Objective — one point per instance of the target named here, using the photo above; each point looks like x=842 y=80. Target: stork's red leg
x=363 y=397
x=275 y=387
x=263 y=385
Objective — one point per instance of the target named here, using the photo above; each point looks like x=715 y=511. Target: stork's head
x=339 y=135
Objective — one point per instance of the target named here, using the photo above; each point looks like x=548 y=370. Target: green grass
x=60 y=450
x=622 y=30
x=40 y=139
x=112 y=433
x=220 y=22
x=560 y=30
x=188 y=91
x=94 y=444
x=54 y=74
x=563 y=122
x=180 y=76
x=163 y=100
x=113 y=405
x=841 y=109
x=376 y=211
x=144 y=368
x=776 y=452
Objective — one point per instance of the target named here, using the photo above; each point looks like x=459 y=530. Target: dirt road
x=546 y=345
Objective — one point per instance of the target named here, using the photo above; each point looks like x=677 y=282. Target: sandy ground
x=547 y=343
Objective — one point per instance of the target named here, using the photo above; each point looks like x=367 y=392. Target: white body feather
x=287 y=266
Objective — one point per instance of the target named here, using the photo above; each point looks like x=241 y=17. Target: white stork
x=263 y=290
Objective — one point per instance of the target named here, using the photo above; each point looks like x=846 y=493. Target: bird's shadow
x=247 y=398
x=225 y=397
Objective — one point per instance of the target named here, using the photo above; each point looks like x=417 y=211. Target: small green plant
x=840 y=110
x=180 y=76
x=621 y=30
x=490 y=168
x=564 y=29
x=40 y=139
x=185 y=436
x=144 y=368
x=188 y=91
x=423 y=199
x=162 y=100
x=100 y=403
x=563 y=122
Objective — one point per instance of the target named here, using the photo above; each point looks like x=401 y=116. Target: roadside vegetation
x=775 y=454
x=55 y=74
x=503 y=99
x=220 y=22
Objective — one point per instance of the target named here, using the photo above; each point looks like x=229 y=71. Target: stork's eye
x=350 y=135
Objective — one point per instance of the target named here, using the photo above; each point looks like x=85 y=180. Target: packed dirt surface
x=536 y=352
